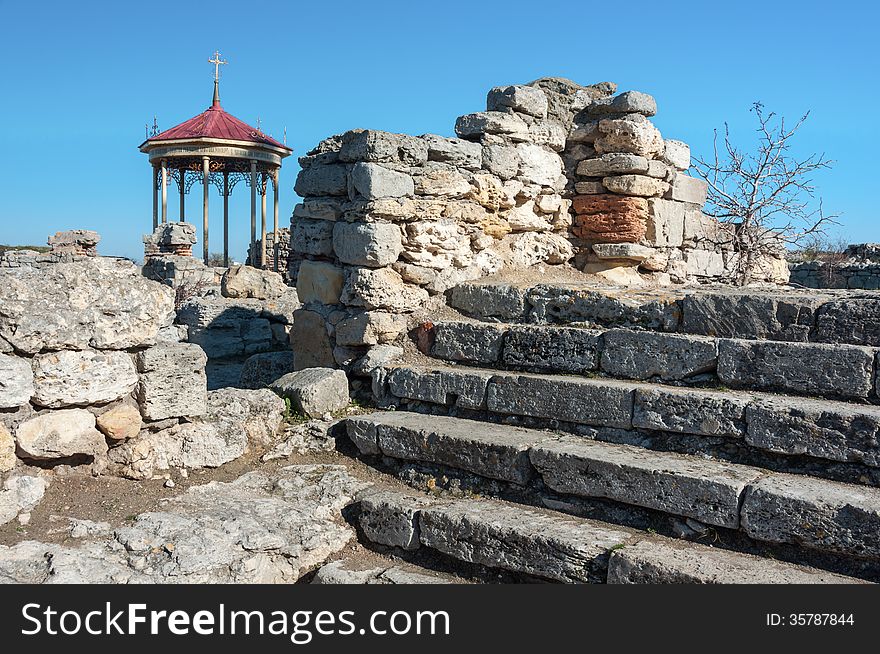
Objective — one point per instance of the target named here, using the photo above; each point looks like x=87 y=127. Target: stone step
x=789 y=426
x=784 y=314
x=809 y=369
x=548 y=545
x=657 y=560
x=348 y=571
x=774 y=507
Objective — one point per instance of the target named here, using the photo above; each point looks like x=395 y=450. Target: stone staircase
x=631 y=436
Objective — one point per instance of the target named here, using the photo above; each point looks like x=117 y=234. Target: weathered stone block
x=807 y=368
x=637 y=185
x=313 y=237
x=538 y=165
x=370 y=328
x=666 y=561
x=629 y=102
x=595 y=402
x=172 y=381
x=375 y=181
x=500 y=160
x=708 y=491
x=473 y=126
x=688 y=189
x=121 y=422
x=317 y=209
x=446 y=386
x=16 y=381
x=814 y=513
x=391 y=519
x=262 y=369
x=249 y=282
x=557 y=349
x=441 y=180
x=457 y=152
x=367 y=244
x=607 y=308
x=818 y=428
x=610 y=218
x=690 y=411
x=524 y=99
x=677 y=154
x=319 y=281
x=310 y=341
x=314 y=391
x=327 y=179
x=381 y=288
x=374 y=145
x=521 y=539
x=665 y=222
x=59 y=435
x=670 y=357
x=80 y=378
x=704 y=263
x=630 y=135
x=612 y=164
x=470 y=342
x=502 y=301
x=855 y=321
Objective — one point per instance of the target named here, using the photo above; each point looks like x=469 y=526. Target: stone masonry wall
x=553 y=173
x=859 y=268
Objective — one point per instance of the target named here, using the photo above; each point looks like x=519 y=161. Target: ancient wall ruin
x=553 y=176
x=858 y=267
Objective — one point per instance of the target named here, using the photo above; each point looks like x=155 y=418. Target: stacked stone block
x=282 y=250
x=174 y=239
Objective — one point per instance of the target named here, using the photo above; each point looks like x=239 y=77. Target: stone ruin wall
x=553 y=174
x=856 y=268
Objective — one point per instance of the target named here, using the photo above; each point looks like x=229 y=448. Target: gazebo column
x=205 y=173
x=155 y=170
x=253 y=209
x=264 y=191
x=226 y=218
x=182 y=174
x=164 y=191
x=275 y=245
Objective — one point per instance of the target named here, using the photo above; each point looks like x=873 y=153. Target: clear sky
x=80 y=80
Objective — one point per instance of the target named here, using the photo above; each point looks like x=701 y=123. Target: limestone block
x=59 y=435
x=121 y=422
x=704 y=263
x=262 y=369
x=310 y=341
x=248 y=282
x=456 y=152
x=470 y=342
x=807 y=368
x=172 y=381
x=80 y=378
x=622 y=251
x=7 y=450
x=377 y=146
x=708 y=491
x=521 y=539
x=629 y=102
x=587 y=401
x=473 y=126
x=437 y=244
x=317 y=208
x=690 y=411
x=500 y=160
x=503 y=301
x=556 y=349
x=818 y=428
x=330 y=179
x=845 y=321
x=16 y=381
x=610 y=218
x=391 y=519
x=613 y=164
x=375 y=181
x=589 y=188
x=319 y=281
x=367 y=244
x=523 y=99
x=532 y=248
x=688 y=189
x=446 y=386
x=639 y=185
x=441 y=180
x=665 y=224
x=370 y=328
x=524 y=219
x=630 y=135
x=377 y=356
x=677 y=154
x=814 y=513
x=644 y=355
x=549 y=133
x=314 y=391
x=538 y=165
x=313 y=237
x=20 y=494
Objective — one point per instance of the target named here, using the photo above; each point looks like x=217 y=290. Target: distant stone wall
x=553 y=173
x=282 y=250
x=858 y=268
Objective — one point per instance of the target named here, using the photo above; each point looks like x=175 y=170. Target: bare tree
x=767 y=195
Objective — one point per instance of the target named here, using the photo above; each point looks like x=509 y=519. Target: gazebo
x=216 y=148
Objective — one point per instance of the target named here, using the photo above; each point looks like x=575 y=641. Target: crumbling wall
x=856 y=268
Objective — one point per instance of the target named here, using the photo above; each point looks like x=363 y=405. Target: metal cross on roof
x=217 y=61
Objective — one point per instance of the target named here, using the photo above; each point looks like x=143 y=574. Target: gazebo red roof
x=217 y=124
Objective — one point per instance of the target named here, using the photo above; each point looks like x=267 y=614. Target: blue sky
x=80 y=80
